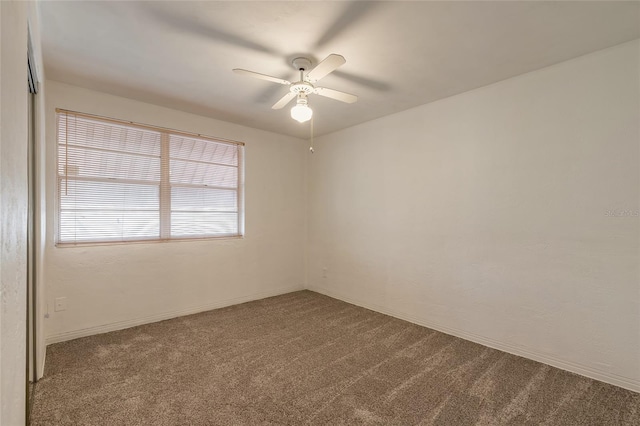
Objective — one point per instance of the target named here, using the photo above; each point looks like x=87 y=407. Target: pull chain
x=311 y=146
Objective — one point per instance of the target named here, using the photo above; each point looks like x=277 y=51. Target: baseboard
x=40 y=372
x=120 y=325
x=623 y=382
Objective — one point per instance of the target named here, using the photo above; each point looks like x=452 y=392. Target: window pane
x=194 y=224
x=73 y=130
x=195 y=173
x=204 y=199
x=186 y=148
x=82 y=162
x=103 y=211
x=199 y=169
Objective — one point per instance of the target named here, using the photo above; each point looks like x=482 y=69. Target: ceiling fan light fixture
x=306 y=85
x=301 y=112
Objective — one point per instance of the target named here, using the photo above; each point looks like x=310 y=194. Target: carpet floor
x=304 y=358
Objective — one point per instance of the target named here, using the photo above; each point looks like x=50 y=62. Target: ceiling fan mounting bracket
x=301 y=64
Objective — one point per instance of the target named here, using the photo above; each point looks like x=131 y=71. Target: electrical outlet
x=324 y=272
x=60 y=304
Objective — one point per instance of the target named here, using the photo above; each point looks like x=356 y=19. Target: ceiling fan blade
x=363 y=81
x=336 y=94
x=353 y=11
x=172 y=16
x=262 y=76
x=284 y=100
x=328 y=65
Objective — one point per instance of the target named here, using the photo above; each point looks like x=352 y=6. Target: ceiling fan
x=305 y=86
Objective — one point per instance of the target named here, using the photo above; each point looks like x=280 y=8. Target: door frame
x=31 y=302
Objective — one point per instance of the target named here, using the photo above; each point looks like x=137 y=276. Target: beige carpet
x=303 y=358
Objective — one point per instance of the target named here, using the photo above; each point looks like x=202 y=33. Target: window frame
x=165 y=157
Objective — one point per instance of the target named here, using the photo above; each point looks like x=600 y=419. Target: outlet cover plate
x=60 y=304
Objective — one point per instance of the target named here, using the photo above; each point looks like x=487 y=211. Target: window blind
x=121 y=181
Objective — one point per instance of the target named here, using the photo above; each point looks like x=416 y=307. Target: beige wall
x=507 y=215
x=115 y=286
x=13 y=210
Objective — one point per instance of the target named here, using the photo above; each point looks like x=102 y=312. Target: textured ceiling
x=399 y=54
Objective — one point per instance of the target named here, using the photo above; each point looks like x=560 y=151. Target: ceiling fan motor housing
x=302 y=87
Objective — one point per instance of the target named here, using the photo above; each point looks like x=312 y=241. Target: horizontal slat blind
x=110 y=176
x=204 y=187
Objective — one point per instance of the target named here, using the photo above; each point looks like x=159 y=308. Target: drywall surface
x=114 y=286
x=13 y=210
x=507 y=215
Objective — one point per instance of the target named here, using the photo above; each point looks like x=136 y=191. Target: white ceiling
x=399 y=54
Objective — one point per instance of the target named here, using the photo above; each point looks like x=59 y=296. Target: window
x=119 y=181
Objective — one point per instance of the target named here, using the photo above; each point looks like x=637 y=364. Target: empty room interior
x=320 y=213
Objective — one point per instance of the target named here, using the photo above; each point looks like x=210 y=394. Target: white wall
x=13 y=210
x=484 y=215
x=114 y=286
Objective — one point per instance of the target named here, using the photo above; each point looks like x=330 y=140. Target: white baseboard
x=120 y=325
x=592 y=373
x=40 y=371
